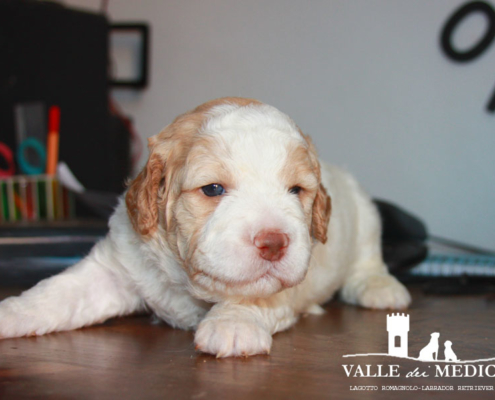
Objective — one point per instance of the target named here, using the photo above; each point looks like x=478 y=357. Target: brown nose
x=271 y=244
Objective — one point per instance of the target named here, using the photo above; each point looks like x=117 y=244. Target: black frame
x=142 y=30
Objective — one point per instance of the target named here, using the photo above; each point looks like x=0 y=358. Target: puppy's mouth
x=252 y=276
x=238 y=282
x=272 y=276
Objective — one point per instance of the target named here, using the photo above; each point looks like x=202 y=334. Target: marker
x=52 y=141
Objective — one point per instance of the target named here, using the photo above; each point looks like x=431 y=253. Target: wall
x=365 y=78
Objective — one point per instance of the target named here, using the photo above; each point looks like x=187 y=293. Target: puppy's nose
x=271 y=244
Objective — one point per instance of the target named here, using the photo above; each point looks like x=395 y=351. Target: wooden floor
x=130 y=358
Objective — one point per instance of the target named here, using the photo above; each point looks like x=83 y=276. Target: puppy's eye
x=295 y=189
x=213 y=190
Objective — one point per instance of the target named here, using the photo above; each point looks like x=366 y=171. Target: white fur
x=252 y=298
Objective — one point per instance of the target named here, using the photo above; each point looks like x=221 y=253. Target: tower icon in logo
x=398 y=328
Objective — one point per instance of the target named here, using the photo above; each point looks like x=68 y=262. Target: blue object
x=24 y=165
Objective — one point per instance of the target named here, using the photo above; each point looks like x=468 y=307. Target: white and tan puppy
x=225 y=231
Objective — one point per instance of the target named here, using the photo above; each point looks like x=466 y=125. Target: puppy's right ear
x=142 y=196
x=157 y=186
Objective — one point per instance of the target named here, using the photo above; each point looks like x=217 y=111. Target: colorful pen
x=52 y=142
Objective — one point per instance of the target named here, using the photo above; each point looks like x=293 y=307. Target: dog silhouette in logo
x=449 y=353
x=430 y=351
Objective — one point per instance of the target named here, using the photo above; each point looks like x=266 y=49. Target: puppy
x=449 y=353
x=430 y=351
x=225 y=231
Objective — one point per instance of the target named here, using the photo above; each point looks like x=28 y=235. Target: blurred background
x=369 y=80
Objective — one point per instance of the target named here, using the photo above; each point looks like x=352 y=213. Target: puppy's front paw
x=377 y=291
x=227 y=337
x=12 y=322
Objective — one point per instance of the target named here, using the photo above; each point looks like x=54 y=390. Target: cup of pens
x=33 y=194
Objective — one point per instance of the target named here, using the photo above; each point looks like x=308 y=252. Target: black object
x=102 y=204
x=464 y=285
x=59 y=56
x=141 y=31
x=52 y=241
x=403 y=238
x=453 y=22
x=476 y=50
x=29 y=254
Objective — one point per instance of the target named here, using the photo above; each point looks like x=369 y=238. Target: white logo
x=398 y=335
x=398 y=348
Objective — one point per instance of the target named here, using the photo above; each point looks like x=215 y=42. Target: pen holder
x=30 y=198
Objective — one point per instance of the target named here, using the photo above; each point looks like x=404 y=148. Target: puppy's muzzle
x=271 y=244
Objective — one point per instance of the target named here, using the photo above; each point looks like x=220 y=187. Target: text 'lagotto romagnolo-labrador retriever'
x=233 y=228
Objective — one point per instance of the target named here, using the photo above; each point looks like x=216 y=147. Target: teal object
x=24 y=165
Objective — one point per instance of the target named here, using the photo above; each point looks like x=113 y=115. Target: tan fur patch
x=322 y=209
x=159 y=184
x=322 y=206
x=303 y=165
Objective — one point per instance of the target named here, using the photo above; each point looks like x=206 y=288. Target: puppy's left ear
x=142 y=196
x=322 y=206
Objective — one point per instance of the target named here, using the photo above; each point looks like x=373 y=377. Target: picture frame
x=129 y=53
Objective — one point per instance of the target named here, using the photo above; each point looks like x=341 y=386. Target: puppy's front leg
x=371 y=286
x=234 y=329
x=84 y=294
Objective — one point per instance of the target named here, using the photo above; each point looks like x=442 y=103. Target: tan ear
x=142 y=196
x=322 y=206
x=156 y=188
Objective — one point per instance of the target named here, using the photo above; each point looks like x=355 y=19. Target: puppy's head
x=235 y=189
